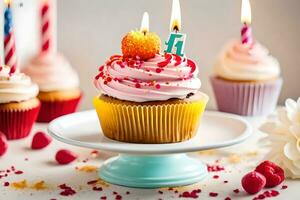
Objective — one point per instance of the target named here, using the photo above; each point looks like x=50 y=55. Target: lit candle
x=145 y=23
x=46 y=27
x=10 y=57
x=176 y=41
x=246 y=31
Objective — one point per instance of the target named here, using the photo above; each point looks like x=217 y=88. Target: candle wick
x=176 y=29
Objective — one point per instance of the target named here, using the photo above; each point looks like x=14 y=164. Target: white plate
x=216 y=130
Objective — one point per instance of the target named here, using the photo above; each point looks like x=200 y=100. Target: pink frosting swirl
x=246 y=62
x=160 y=78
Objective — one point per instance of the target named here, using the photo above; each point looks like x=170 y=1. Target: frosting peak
x=246 y=62
x=160 y=78
x=15 y=87
x=52 y=72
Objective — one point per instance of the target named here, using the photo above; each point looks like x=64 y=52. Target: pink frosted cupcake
x=246 y=79
x=19 y=106
x=58 y=83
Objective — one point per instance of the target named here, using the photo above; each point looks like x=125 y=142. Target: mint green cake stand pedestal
x=151 y=165
x=152 y=171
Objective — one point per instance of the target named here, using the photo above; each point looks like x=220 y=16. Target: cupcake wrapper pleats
x=53 y=109
x=249 y=98
x=150 y=124
x=17 y=124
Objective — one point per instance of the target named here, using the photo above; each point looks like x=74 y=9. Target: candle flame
x=7 y=2
x=145 y=23
x=175 y=23
x=246 y=12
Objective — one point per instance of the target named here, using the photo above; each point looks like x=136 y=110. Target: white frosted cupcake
x=19 y=106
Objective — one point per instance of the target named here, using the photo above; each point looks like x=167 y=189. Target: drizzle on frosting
x=160 y=78
x=52 y=72
x=15 y=87
x=246 y=63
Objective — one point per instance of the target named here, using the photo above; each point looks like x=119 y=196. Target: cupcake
x=147 y=97
x=19 y=106
x=58 y=83
x=246 y=79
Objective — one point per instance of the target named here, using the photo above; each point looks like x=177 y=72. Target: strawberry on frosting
x=160 y=78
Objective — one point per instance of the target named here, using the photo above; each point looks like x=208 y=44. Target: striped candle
x=10 y=57
x=46 y=32
x=246 y=34
x=246 y=31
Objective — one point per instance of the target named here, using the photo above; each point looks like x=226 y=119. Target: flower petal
x=290 y=151
x=295 y=130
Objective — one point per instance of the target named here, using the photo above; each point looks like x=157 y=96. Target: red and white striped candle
x=46 y=28
x=246 y=31
x=10 y=57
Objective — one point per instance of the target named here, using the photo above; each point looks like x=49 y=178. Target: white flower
x=284 y=138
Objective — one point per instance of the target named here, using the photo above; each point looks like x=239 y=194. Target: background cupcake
x=18 y=103
x=58 y=84
x=246 y=79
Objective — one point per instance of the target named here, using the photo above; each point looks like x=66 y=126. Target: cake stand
x=151 y=165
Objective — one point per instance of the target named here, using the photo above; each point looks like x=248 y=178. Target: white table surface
x=40 y=165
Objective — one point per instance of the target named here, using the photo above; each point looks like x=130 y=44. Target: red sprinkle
x=236 y=191
x=177 y=59
x=215 y=168
x=19 y=172
x=103 y=197
x=213 y=194
x=118 y=197
x=157 y=86
x=192 y=65
x=138 y=85
x=216 y=176
x=67 y=190
x=267 y=194
x=158 y=70
x=6 y=184
x=101 y=68
x=92 y=182
x=227 y=198
x=284 y=187
x=193 y=194
x=97 y=188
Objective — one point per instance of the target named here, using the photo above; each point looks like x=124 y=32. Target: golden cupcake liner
x=165 y=123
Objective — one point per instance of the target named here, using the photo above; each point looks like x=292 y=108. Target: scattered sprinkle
x=216 y=176
x=213 y=194
x=20 y=185
x=236 y=191
x=87 y=168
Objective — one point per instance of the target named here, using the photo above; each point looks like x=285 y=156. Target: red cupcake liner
x=248 y=99
x=17 y=124
x=51 y=110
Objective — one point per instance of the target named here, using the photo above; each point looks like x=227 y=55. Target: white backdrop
x=90 y=31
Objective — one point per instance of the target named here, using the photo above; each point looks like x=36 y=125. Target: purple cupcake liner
x=248 y=99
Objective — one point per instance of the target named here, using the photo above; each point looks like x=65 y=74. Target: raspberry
x=273 y=173
x=3 y=144
x=40 y=140
x=65 y=156
x=253 y=182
